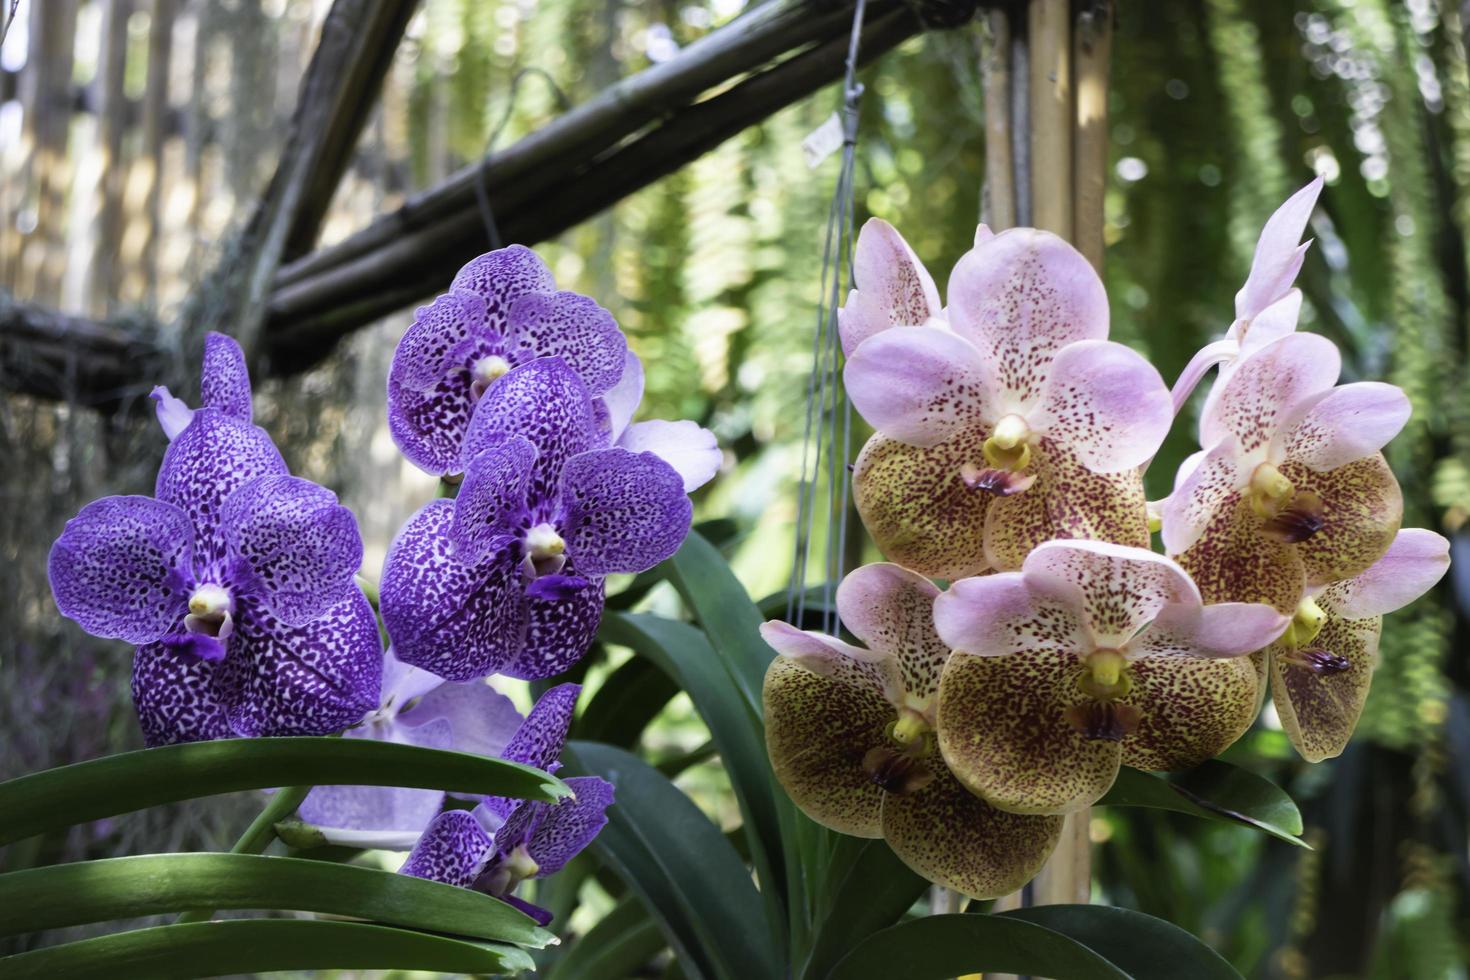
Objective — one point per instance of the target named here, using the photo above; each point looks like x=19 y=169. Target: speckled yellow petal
x=1319 y=708
x=1004 y=731
x=918 y=509
x=1361 y=511
x=818 y=728
x=1234 y=561
x=1191 y=708
x=891 y=609
x=955 y=839
x=1066 y=501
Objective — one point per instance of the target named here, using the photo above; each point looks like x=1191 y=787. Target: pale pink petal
x=1021 y=298
x=1344 y=424
x=1220 y=352
x=885 y=268
x=983 y=234
x=1272 y=323
x=918 y=385
x=1279 y=255
x=1116 y=589
x=1212 y=479
x=691 y=450
x=1224 y=629
x=859 y=318
x=1413 y=563
x=1265 y=386
x=1106 y=403
x=891 y=609
x=830 y=657
x=995 y=615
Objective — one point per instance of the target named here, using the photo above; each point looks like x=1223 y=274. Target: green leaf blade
x=1215 y=791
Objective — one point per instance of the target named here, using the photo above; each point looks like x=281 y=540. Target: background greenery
x=1219 y=109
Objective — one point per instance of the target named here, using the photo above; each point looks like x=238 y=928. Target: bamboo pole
x=155 y=135
x=1051 y=115
x=999 y=200
x=1092 y=47
x=111 y=128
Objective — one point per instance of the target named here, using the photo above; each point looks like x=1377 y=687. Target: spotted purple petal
x=116 y=567
x=558 y=631
x=212 y=458
x=458 y=620
x=491 y=504
x=225 y=382
x=452 y=850
x=546 y=402
x=572 y=327
x=302 y=547
x=540 y=738
x=177 y=697
x=554 y=833
x=503 y=276
x=314 y=679
x=625 y=512
x=430 y=396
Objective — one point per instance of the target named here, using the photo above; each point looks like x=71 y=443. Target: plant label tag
x=823 y=141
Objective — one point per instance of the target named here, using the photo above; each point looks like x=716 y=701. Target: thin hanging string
x=482 y=192
x=828 y=432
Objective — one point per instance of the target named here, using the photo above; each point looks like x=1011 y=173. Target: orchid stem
x=258 y=835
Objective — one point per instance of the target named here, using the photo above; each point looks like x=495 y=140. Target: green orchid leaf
x=719 y=531
x=131 y=781
x=941 y=947
x=1144 y=947
x=131 y=887
x=688 y=876
x=630 y=698
x=1214 y=791
x=870 y=889
x=622 y=941
x=249 y=946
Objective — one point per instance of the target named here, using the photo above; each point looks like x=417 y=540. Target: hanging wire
x=828 y=432
x=482 y=192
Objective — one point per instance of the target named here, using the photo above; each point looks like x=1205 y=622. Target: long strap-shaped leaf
x=869 y=889
x=622 y=942
x=136 y=780
x=1214 y=791
x=678 y=862
x=130 y=887
x=245 y=946
x=1145 y=947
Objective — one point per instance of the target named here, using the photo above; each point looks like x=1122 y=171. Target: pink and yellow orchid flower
x=1291 y=491
x=1016 y=423
x=1322 y=666
x=1092 y=656
x=850 y=733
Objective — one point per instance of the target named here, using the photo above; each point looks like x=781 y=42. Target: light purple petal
x=1272 y=323
x=1279 y=255
x=1344 y=424
x=1115 y=589
x=995 y=615
x=558 y=634
x=453 y=850
x=457 y=620
x=481 y=720
x=501 y=277
x=616 y=406
x=691 y=450
x=624 y=512
x=119 y=568
x=491 y=505
x=211 y=459
x=893 y=287
x=546 y=402
x=918 y=385
x=225 y=381
x=385 y=816
x=1414 y=562
x=827 y=656
x=572 y=327
x=177 y=697
x=1265 y=386
x=173 y=415
x=1211 y=480
x=1105 y=402
x=403 y=682
x=302 y=547
x=1224 y=629
x=1019 y=299
x=554 y=833
x=315 y=679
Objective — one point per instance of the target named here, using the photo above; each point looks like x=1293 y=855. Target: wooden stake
x=1051 y=116
x=1092 y=46
x=999 y=207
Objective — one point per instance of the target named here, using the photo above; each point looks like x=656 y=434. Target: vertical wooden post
x=1092 y=47
x=151 y=156
x=111 y=177
x=999 y=201
x=1052 y=114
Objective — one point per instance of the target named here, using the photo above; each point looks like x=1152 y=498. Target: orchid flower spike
x=518 y=558
x=234 y=581
x=1291 y=490
x=417 y=708
x=851 y=735
x=1268 y=305
x=1092 y=656
x=1322 y=666
x=1019 y=424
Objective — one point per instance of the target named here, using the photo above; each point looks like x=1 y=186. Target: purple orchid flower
x=501 y=311
x=235 y=581
x=417 y=708
x=508 y=577
x=502 y=842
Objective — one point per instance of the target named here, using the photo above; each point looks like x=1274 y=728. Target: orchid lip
x=1318 y=661
x=1298 y=521
x=896 y=771
x=1104 y=720
x=997 y=482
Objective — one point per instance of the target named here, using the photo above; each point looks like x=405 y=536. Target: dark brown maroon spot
x=897 y=772
x=1319 y=661
x=1001 y=483
x=1299 y=521
x=1104 y=720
